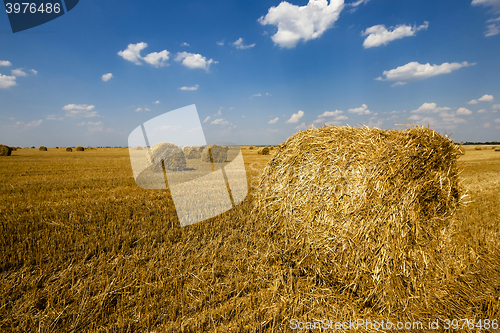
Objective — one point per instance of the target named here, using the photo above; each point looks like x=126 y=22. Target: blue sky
x=257 y=71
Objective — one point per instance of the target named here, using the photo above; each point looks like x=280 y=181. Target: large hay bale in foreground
x=363 y=210
x=42 y=148
x=219 y=153
x=171 y=154
x=5 y=150
x=69 y=149
x=80 y=148
x=263 y=151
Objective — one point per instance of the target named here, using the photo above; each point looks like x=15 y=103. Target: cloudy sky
x=257 y=71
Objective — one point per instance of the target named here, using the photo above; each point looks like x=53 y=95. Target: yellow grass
x=83 y=249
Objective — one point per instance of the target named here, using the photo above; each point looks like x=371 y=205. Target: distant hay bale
x=263 y=151
x=69 y=149
x=251 y=147
x=80 y=148
x=13 y=148
x=497 y=149
x=57 y=147
x=171 y=154
x=219 y=153
x=362 y=210
x=193 y=152
x=138 y=148
x=42 y=148
x=5 y=150
x=271 y=148
x=478 y=148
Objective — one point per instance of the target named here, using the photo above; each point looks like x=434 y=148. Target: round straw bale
x=219 y=153
x=497 y=149
x=42 y=148
x=5 y=150
x=193 y=152
x=172 y=156
x=80 y=148
x=251 y=147
x=362 y=209
x=69 y=149
x=478 y=148
x=13 y=148
x=263 y=151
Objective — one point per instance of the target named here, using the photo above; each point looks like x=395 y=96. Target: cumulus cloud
x=35 y=72
x=296 y=23
x=464 y=111
x=28 y=126
x=139 y=109
x=430 y=108
x=482 y=111
x=53 y=117
x=485 y=98
x=107 y=77
x=497 y=120
x=184 y=44
x=378 y=34
x=496 y=107
x=221 y=43
x=330 y=117
x=80 y=111
x=257 y=95
x=195 y=87
x=206 y=119
x=7 y=81
x=19 y=72
x=133 y=52
x=363 y=109
x=487 y=125
x=5 y=63
x=157 y=102
x=414 y=71
x=494 y=4
x=194 y=60
x=157 y=59
x=240 y=46
x=273 y=121
x=295 y=117
x=493 y=30
x=219 y=121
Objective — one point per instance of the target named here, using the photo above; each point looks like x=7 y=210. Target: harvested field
x=84 y=249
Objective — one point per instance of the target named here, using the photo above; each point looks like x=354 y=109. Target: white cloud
x=330 y=117
x=240 y=46
x=28 y=126
x=295 y=117
x=18 y=72
x=147 y=109
x=363 y=109
x=494 y=4
x=430 y=108
x=497 y=120
x=221 y=43
x=296 y=23
x=195 y=87
x=464 y=111
x=357 y=3
x=157 y=102
x=184 y=44
x=487 y=98
x=206 y=119
x=157 y=59
x=378 y=34
x=107 y=77
x=218 y=113
x=53 y=117
x=414 y=71
x=93 y=127
x=493 y=30
x=7 y=81
x=133 y=52
x=273 y=121
x=35 y=72
x=138 y=110
x=487 y=125
x=80 y=111
x=5 y=63
x=219 y=121
x=481 y=111
x=257 y=95
x=193 y=60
